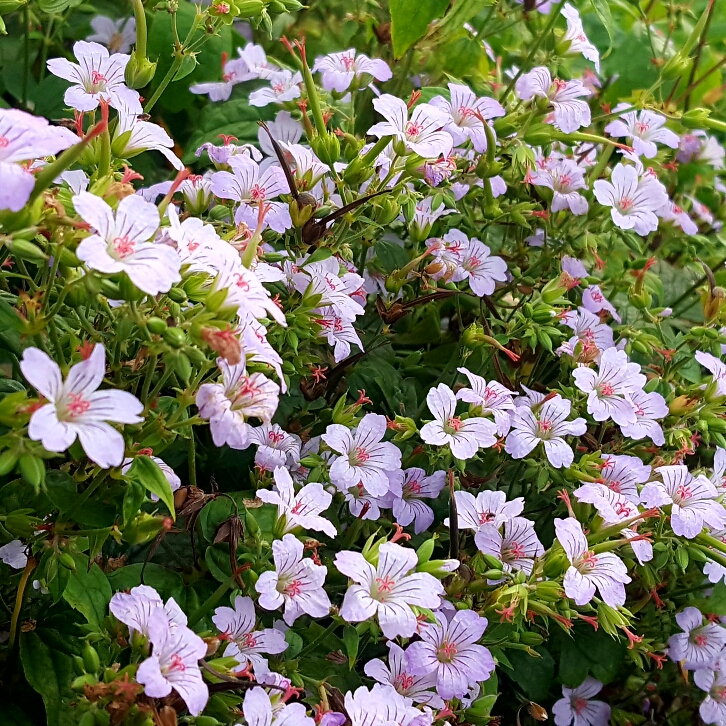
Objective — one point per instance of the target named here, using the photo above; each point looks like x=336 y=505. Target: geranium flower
x=449 y=649
x=14 y=554
x=570 y=113
x=575 y=707
x=489 y=507
x=464 y=436
x=24 y=137
x=245 y=643
x=717 y=368
x=121 y=242
x=301 y=509
x=364 y=456
x=463 y=114
x=234 y=71
x=713 y=681
x=408 y=505
x=296 y=582
x=622 y=474
x=491 y=396
x=692 y=499
x=424 y=215
x=338 y=332
x=274 y=445
x=388 y=590
x=136 y=608
x=609 y=388
x=382 y=705
x=671 y=212
x=96 y=77
x=591 y=335
x=252 y=187
x=699 y=645
x=133 y=137
x=339 y=69
x=77 y=409
x=323 y=278
x=258 y=710
x=588 y=571
x=421 y=134
x=649 y=407
x=594 y=301
x=229 y=404
x=547 y=426
x=564 y=179
x=516 y=549
x=643 y=128
x=174 y=664
x=397 y=674
x=364 y=505
x=634 y=201
x=482 y=269
x=117 y=35
x=575 y=33
x=284 y=86
x=220 y=155
x=284 y=129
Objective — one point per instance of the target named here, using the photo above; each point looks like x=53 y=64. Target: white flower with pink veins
x=466 y=115
x=570 y=111
x=575 y=33
x=716 y=367
x=642 y=129
x=464 y=436
x=516 y=549
x=77 y=409
x=284 y=86
x=564 y=179
x=340 y=69
x=492 y=397
x=576 y=709
x=275 y=444
x=489 y=507
x=364 y=456
x=634 y=201
x=96 y=77
x=420 y=134
x=387 y=590
x=240 y=396
x=591 y=335
x=482 y=269
x=605 y=571
x=121 y=242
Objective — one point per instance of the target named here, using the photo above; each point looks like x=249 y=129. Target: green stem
x=141 y=32
x=150 y=368
x=165 y=81
x=316 y=641
x=192 y=460
x=211 y=601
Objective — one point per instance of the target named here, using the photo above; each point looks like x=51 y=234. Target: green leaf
x=351 y=640
x=189 y=63
x=602 y=8
x=88 y=591
x=49 y=672
x=146 y=472
x=62 y=492
x=410 y=19
x=391 y=255
x=133 y=499
x=11 y=327
x=534 y=675
x=573 y=666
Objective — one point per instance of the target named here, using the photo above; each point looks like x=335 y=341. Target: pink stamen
x=77 y=405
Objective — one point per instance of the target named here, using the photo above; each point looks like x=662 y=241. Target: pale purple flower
x=387 y=590
x=622 y=474
x=671 y=212
x=449 y=250
x=397 y=674
x=449 y=649
x=174 y=664
x=424 y=216
x=564 y=180
x=643 y=128
x=132 y=137
x=516 y=549
x=252 y=187
x=284 y=129
x=699 y=146
x=364 y=505
x=381 y=706
x=591 y=336
x=464 y=436
x=296 y=582
x=588 y=571
x=220 y=155
x=77 y=409
x=323 y=278
x=421 y=134
x=573 y=267
x=240 y=396
x=716 y=367
x=259 y=710
x=482 y=269
x=97 y=76
x=699 y=645
x=284 y=86
x=594 y=301
x=234 y=71
x=196 y=190
x=488 y=508
x=24 y=137
x=408 y=505
x=492 y=397
x=649 y=407
x=340 y=69
x=117 y=35
x=608 y=390
x=14 y=554
x=570 y=111
x=713 y=707
x=302 y=509
x=692 y=500
x=136 y=608
x=634 y=201
x=274 y=444
x=364 y=456
x=120 y=242
x=464 y=114
x=576 y=709
x=246 y=644
x=548 y=426
x=576 y=35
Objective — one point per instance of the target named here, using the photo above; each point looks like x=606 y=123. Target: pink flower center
x=383 y=585
x=559 y=85
x=597 y=296
x=293 y=589
x=403 y=682
x=257 y=192
x=278 y=87
x=413 y=129
x=682 y=493
x=4 y=142
x=177 y=663
x=248 y=640
x=222 y=8
x=700 y=640
x=589 y=560
x=227 y=77
x=544 y=426
x=565 y=180
x=123 y=246
x=516 y=550
x=413 y=487
x=77 y=405
x=622 y=509
x=348 y=62
x=606 y=389
x=242 y=284
x=625 y=204
x=485 y=517
x=453 y=424
x=466 y=112
x=719 y=693
x=359 y=456
x=579 y=705
x=614 y=485
x=297 y=508
x=446 y=652
x=98 y=81
x=274 y=437
x=641 y=127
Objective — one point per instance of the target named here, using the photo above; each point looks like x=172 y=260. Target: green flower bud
x=8 y=460
x=25 y=250
x=326 y=147
x=425 y=551
x=32 y=469
x=175 y=337
x=139 y=71
x=91 y=661
x=66 y=560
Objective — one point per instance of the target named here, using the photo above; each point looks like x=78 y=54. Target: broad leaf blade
x=145 y=471
x=410 y=19
x=88 y=591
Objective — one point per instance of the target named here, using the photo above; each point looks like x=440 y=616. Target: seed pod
x=23 y=249
x=32 y=469
x=176 y=337
x=8 y=460
x=66 y=560
x=156 y=325
x=91 y=661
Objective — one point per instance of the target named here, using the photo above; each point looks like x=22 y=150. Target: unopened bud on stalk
x=140 y=71
x=712 y=301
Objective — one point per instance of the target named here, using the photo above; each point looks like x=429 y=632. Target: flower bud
x=682 y=405
x=538 y=134
x=326 y=147
x=91 y=661
x=143 y=529
x=553 y=291
x=32 y=469
x=139 y=71
x=25 y=250
x=439 y=568
x=175 y=337
x=676 y=66
x=712 y=301
x=695 y=118
x=302 y=209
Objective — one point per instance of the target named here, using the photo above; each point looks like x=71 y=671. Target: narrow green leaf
x=146 y=472
x=410 y=19
x=351 y=640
